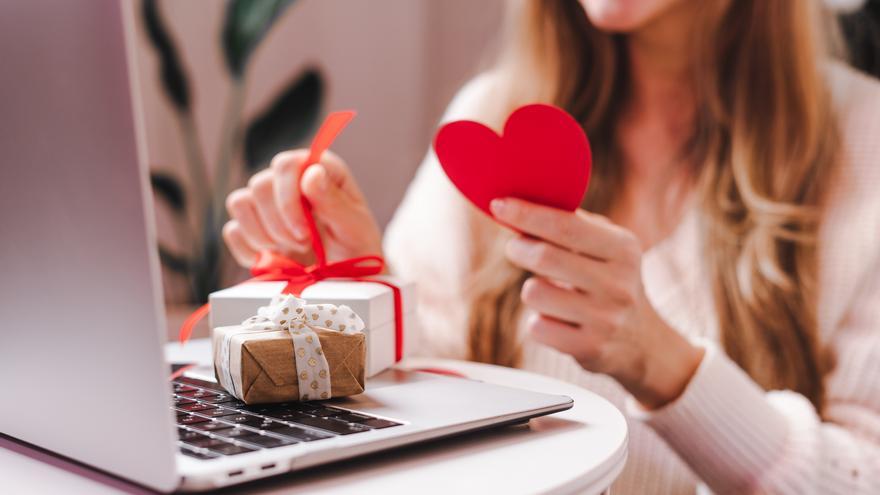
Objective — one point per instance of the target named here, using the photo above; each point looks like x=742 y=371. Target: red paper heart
x=543 y=157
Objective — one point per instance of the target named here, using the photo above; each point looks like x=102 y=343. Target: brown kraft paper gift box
x=263 y=366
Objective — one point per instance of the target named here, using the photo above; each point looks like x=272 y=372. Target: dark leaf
x=247 y=22
x=174 y=262
x=168 y=188
x=174 y=79
x=861 y=32
x=287 y=122
x=206 y=278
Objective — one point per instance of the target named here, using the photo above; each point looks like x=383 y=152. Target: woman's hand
x=589 y=301
x=267 y=213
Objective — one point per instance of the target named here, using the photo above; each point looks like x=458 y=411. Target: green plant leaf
x=286 y=122
x=167 y=187
x=174 y=79
x=174 y=262
x=247 y=22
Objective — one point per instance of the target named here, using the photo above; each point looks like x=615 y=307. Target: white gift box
x=373 y=302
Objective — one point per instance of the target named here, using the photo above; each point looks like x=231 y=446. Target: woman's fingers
x=581 y=232
x=557 y=263
x=550 y=300
x=261 y=186
x=268 y=214
x=607 y=282
x=567 y=305
x=341 y=176
x=286 y=167
x=241 y=250
x=346 y=218
x=242 y=208
x=290 y=182
x=583 y=345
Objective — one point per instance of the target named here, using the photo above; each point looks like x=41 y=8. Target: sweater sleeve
x=738 y=438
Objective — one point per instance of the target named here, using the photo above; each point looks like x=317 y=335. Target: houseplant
x=285 y=123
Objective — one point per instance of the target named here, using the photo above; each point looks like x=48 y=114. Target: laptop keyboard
x=212 y=423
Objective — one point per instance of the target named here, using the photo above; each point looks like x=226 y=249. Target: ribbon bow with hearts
x=289 y=313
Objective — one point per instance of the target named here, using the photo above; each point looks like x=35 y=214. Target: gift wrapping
x=373 y=302
x=292 y=351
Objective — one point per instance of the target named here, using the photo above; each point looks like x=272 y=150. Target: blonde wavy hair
x=763 y=148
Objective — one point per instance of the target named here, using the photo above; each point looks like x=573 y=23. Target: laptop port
x=267 y=466
x=236 y=473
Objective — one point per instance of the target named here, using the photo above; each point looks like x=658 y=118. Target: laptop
x=83 y=371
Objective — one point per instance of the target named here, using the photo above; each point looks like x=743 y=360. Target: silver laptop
x=82 y=368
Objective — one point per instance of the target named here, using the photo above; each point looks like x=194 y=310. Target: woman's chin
x=612 y=25
x=623 y=16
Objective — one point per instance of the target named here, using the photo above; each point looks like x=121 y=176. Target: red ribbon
x=273 y=267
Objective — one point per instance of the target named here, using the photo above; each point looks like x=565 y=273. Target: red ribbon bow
x=271 y=266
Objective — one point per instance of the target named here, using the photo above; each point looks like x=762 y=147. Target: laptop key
x=325 y=412
x=305 y=406
x=212 y=426
x=180 y=388
x=190 y=420
x=207 y=442
x=245 y=419
x=202 y=455
x=219 y=399
x=219 y=412
x=301 y=434
x=260 y=408
x=292 y=416
x=294 y=406
x=203 y=394
x=353 y=417
x=378 y=423
x=183 y=401
x=267 y=441
x=334 y=425
x=188 y=392
x=234 y=432
x=196 y=382
x=185 y=435
x=366 y=420
x=270 y=409
x=230 y=449
x=273 y=425
x=196 y=407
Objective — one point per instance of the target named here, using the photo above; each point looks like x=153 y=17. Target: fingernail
x=314 y=180
x=321 y=177
x=498 y=206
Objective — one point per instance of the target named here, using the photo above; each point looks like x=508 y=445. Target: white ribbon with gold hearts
x=289 y=313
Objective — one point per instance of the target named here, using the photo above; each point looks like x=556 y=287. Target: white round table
x=581 y=450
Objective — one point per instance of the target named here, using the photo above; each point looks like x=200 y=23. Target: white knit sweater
x=725 y=433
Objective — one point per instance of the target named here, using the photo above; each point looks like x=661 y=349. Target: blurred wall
x=397 y=62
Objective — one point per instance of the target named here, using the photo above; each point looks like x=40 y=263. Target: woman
x=724 y=288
